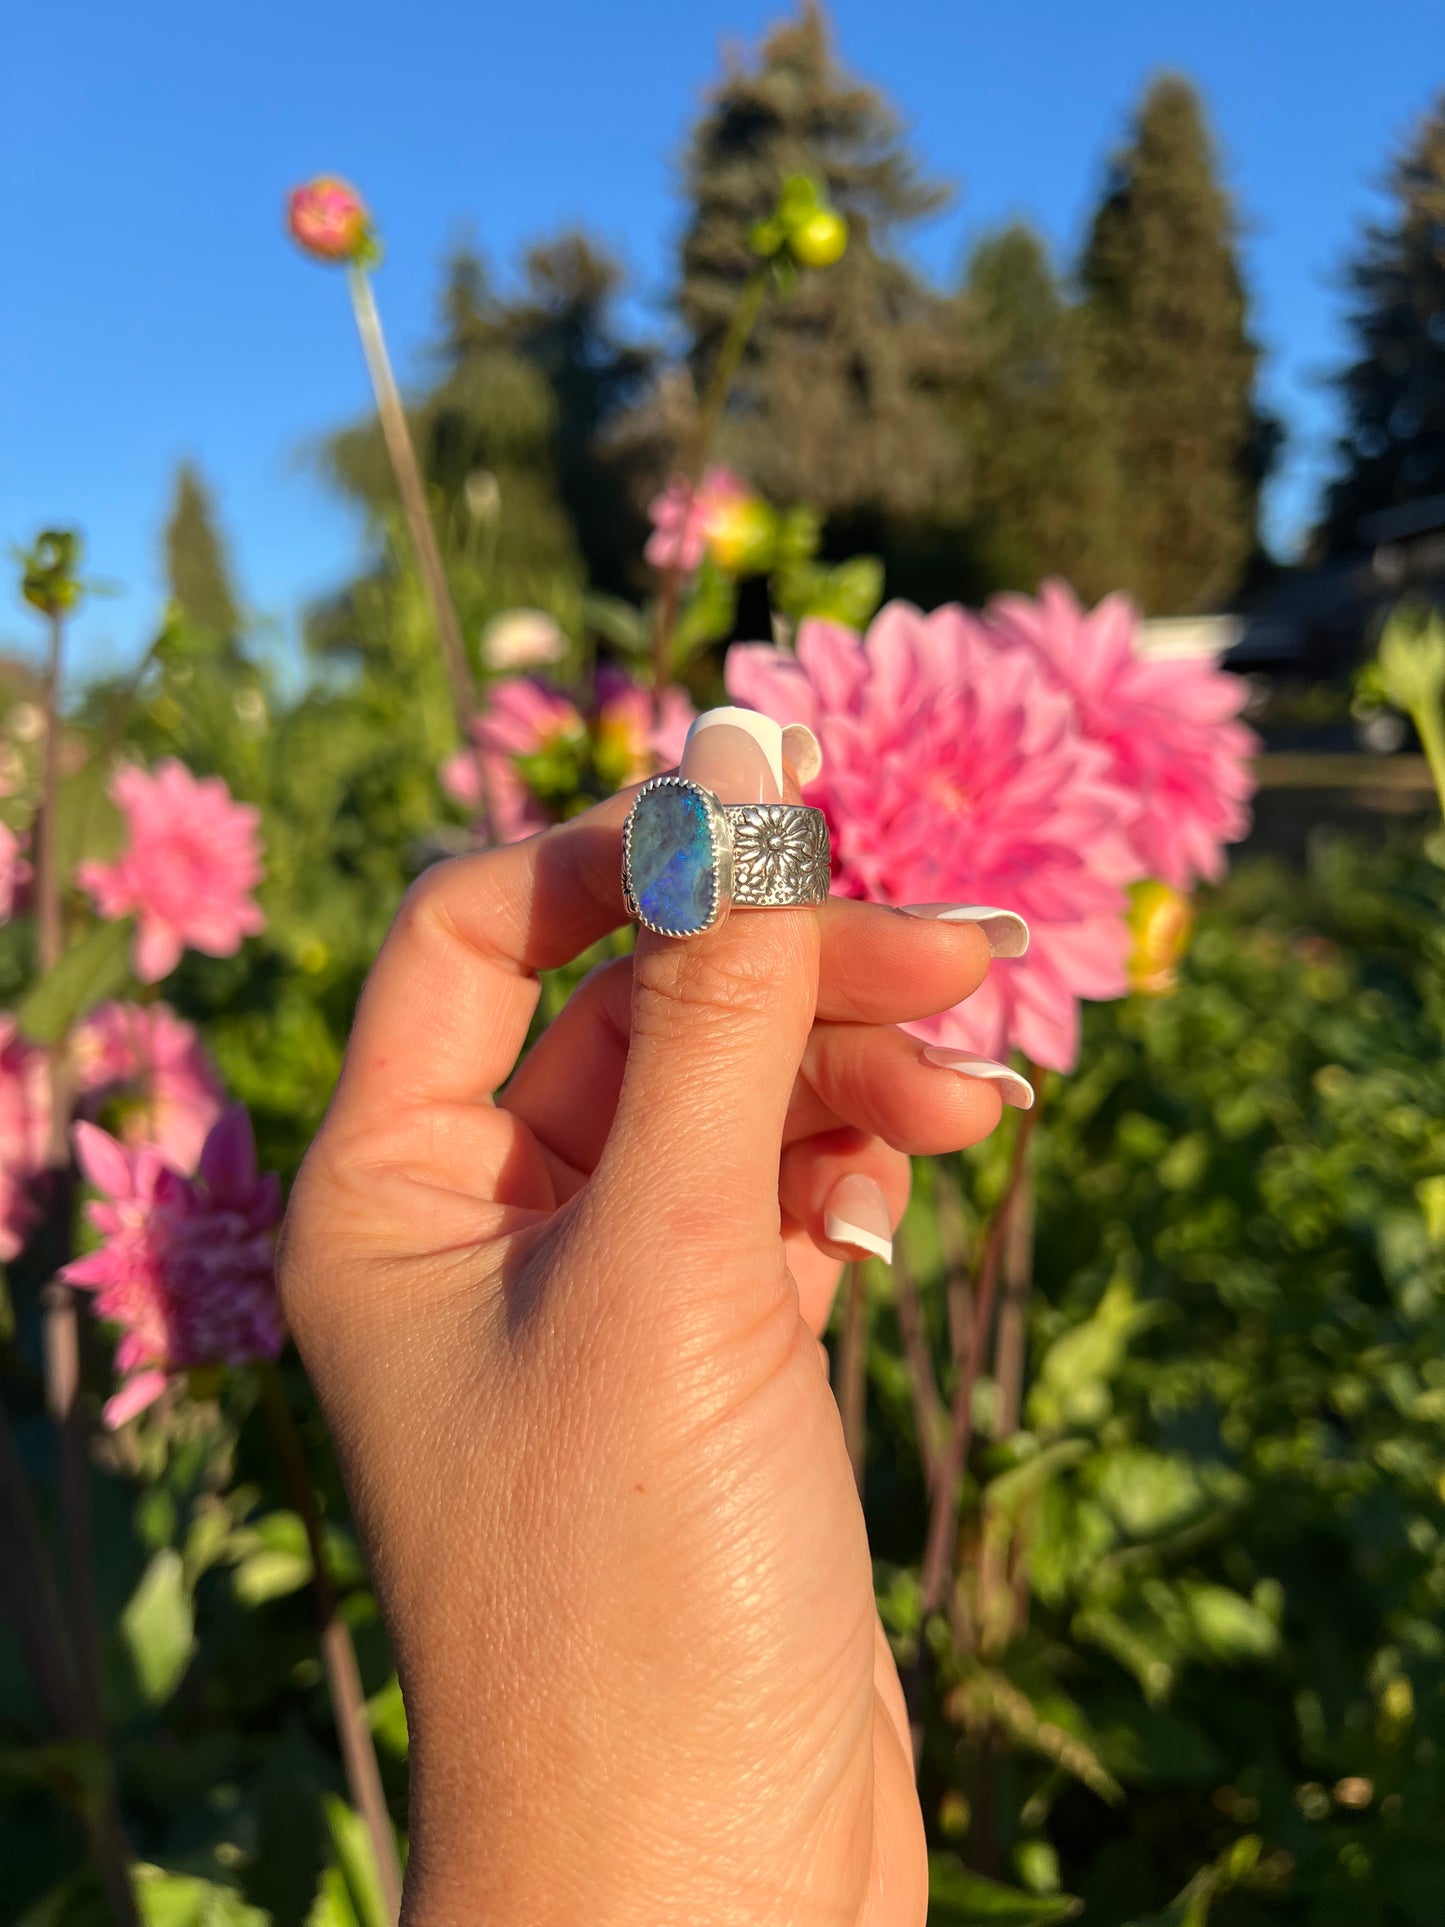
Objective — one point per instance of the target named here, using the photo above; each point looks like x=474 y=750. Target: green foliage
x=1167 y=323
x=835 y=402
x=196 y=567
x=1393 y=449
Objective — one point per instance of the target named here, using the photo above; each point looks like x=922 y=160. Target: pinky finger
x=842 y=1192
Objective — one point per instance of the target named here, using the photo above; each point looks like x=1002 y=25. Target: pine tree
x=835 y=402
x=196 y=568
x=1166 y=309
x=1393 y=449
x=563 y=324
x=1043 y=493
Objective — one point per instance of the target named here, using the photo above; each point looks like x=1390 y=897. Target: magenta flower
x=682 y=517
x=329 y=219
x=15 y=872
x=187 y=873
x=24 y=1134
x=186 y=1265
x=1168 y=724
x=954 y=771
x=534 y=752
x=148 y=1070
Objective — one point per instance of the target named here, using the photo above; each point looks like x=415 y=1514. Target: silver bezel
x=720 y=837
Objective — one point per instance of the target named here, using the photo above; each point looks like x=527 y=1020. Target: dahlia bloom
x=24 y=1133
x=534 y=752
x=147 y=1069
x=188 y=869
x=683 y=517
x=1168 y=725
x=329 y=219
x=14 y=871
x=186 y=1265
x=954 y=770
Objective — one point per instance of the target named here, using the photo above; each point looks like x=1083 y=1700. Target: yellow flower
x=1160 y=919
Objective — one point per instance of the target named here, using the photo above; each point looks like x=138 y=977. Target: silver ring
x=688 y=859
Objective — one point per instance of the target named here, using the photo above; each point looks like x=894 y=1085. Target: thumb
x=719 y=1024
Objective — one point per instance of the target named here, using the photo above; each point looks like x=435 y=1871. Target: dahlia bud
x=741 y=534
x=820 y=240
x=330 y=221
x=1160 y=920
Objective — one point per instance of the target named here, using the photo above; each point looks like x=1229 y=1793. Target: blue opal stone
x=670 y=860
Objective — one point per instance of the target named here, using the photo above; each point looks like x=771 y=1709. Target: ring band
x=688 y=859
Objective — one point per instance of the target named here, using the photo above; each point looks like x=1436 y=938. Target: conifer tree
x=1166 y=310
x=1393 y=448
x=835 y=402
x=197 y=572
x=1043 y=487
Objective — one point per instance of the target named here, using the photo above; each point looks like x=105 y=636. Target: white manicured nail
x=856 y=1216
x=767 y=734
x=1007 y=933
x=803 y=750
x=1013 y=1088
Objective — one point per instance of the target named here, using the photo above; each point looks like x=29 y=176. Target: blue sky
x=152 y=309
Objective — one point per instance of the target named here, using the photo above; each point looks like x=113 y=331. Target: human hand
x=566 y=1340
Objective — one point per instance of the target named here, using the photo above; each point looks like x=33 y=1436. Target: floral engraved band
x=688 y=859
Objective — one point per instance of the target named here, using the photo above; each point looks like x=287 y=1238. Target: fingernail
x=1007 y=933
x=737 y=754
x=856 y=1215
x=802 y=749
x=1013 y=1089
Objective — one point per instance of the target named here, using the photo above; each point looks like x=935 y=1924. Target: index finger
x=446 y=1007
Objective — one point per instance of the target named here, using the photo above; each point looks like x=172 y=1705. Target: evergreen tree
x=1043 y=491
x=835 y=403
x=1393 y=450
x=563 y=325
x=1166 y=311
x=196 y=569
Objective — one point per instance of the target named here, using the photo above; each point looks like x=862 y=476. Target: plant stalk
x=943 y=1517
x=709 y=415
x=852 y=1369
x=32 y=1600
x=405 y=467
x=338 y=1654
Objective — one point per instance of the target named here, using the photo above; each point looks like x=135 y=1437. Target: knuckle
x=722 y=979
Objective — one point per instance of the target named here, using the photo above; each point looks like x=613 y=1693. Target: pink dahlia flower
x=1168 y=725
x=14 y=872
x=187 y=872
x=147 y=1069
x=682 y=517
x=24 y=1134
x=954 y=771
x=329 y=219
x=186 y=1265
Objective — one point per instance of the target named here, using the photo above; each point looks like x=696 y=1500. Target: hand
x=566 y=1339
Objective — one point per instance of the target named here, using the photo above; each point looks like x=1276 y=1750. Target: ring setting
x=687 y=859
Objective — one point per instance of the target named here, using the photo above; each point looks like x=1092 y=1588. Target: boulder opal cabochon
x=672 y=858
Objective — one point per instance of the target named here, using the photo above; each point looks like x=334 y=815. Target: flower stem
x=29 y=1594
x=852 y=1368
x=943 y=1517
x=929 y=1416
x=409 y=482
x=59 y=1308
x=709 y=415
x=343 y=1677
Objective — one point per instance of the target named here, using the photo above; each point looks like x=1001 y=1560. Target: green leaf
x=88 y=824
x=958 y=1898
x=90 y=971
x=1228 y=1625
x=386 y=1715
x=181 y=1900
x=332 y=1906
x=618 y=622
x=158 y=1626
x=357 y=1864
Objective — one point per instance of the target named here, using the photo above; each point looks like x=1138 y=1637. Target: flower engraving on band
x=779 y=853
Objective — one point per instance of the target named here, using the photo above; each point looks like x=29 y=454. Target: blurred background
x=1150 y=300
